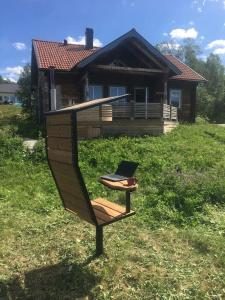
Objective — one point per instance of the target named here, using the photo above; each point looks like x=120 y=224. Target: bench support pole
x=127 y=201
x=99 y=240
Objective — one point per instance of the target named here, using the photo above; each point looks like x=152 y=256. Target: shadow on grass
x=215 y=136
x=52 y=282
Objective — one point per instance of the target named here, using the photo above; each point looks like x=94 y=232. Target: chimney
x=65 y=42
x=89 y=38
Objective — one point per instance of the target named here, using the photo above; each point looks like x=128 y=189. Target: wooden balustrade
x=129 y=110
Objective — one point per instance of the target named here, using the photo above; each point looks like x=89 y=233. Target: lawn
x=173 y=248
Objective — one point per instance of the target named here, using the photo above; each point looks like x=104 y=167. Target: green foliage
x=25 y=94
x=20 y=123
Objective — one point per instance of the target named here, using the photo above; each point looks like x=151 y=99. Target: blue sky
x=156 y=20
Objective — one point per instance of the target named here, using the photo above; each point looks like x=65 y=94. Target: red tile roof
x=58 y=55
x=65 y=57
x=186 y=72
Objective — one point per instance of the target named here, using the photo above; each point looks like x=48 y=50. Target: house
x=162 y=89
x=8 y=93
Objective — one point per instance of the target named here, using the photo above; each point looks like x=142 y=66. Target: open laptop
x=125 y=170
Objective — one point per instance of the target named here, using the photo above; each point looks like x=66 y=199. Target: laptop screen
x=126 y=168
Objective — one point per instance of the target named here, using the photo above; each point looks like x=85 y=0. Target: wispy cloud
x=81 y=41
x=128 y=3
x=218 y=46
x=180 y=33
x=200 y=4
x=19 y=46
x=11 y=73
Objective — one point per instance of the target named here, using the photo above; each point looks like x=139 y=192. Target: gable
x=127 y=55
x=135 y=38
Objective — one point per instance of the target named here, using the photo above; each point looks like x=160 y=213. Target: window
x=117 y=91
x=175 y=98
x=95 y=92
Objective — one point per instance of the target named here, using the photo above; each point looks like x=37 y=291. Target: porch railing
x=144 y=111
x=130 y=110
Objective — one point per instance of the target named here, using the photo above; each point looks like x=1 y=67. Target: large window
x=95 y=92
x=117 y=91
x=175 y=97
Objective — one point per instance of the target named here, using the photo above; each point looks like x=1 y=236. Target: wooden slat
x=70 y=185
x=62 y=119
x=84 y=217
x=77 y=202
x=63 y=131
x=62 y=168
x=102 y=217
x=60 y=143
x=61 y=156
x=116 y=207
x=106 y=210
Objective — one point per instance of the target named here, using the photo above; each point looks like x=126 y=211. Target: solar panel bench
x=62 y=155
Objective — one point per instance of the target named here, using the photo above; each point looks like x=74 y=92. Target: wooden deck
x=127 y=119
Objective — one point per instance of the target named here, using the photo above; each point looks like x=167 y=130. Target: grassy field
x=173 y=248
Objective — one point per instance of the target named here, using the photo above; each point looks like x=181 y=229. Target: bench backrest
x=62 y=158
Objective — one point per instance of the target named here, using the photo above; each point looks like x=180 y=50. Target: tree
x=170 y=47
x=2 y=80
x=24 y=93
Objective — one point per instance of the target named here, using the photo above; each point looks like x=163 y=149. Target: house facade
x=8 y=93
x=162 y=89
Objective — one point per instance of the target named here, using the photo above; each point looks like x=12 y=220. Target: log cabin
x=161 y=88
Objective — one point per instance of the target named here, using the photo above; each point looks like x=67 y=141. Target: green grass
x=173 y=248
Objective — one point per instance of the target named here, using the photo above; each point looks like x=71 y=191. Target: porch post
x=52 y=88
x=146 y=103
x=86 y=84
x=165 y=78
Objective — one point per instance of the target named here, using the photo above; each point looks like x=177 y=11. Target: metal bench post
x=99 y=240
x=127 y=201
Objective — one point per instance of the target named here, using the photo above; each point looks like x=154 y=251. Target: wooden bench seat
x=108 y=212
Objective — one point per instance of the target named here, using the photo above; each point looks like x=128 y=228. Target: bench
x=62 y=155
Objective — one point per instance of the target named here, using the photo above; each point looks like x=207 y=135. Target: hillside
x=173 y=248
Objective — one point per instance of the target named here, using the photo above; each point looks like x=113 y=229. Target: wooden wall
x=188 y=99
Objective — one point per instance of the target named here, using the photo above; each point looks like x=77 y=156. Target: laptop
x=124 y=170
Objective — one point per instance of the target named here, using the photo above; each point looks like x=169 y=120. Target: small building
x=161 y=88
x=8 y=93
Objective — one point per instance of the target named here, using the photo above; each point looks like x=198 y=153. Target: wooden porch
x=127 y=119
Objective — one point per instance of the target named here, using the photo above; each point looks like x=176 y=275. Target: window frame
x=180 y=99
x=93 y=86
x=120 y=101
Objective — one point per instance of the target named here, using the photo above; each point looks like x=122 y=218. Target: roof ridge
x=55 y=42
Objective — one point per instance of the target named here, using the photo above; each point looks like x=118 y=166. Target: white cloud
x=165 y=33
x=191 y=23
x=81 y=41
x=218 y=46
x=19 y=46
x=180 y=33
x=12 y=73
